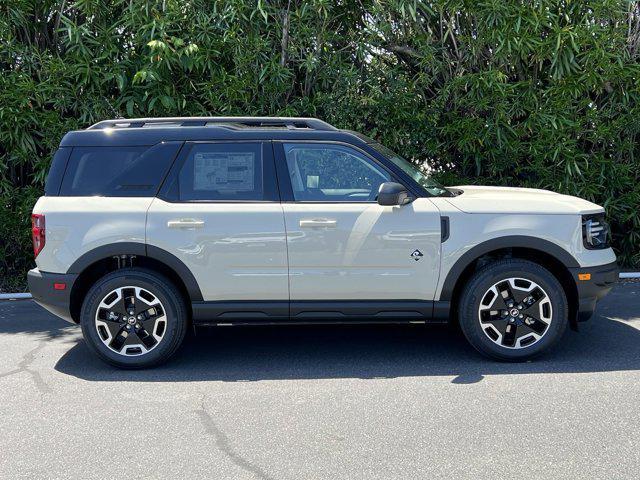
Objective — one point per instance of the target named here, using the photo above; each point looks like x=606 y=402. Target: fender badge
x=416 y=255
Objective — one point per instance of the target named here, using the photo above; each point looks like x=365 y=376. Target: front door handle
x=186 y=223
x=318 y=222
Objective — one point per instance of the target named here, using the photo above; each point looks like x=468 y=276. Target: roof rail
x=288 y=122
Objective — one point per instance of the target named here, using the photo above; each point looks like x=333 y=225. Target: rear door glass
x=223 y=172
x=118 y=171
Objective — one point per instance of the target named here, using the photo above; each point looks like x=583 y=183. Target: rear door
x=219 y=212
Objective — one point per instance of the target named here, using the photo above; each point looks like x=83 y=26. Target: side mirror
x=393 y=194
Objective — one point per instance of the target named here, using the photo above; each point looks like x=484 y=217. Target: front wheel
x=513 y=310
x=133 y=318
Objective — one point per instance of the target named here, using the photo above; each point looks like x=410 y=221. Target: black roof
x=149 y=131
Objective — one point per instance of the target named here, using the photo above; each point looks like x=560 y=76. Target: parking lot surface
x=379 y=402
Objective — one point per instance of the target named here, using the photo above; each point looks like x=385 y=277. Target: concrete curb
x=20 y=296
x=630 y=275
x=14 y=296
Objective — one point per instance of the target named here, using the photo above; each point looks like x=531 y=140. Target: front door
x=343 y=245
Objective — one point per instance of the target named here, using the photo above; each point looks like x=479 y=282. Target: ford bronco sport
x=148 y=226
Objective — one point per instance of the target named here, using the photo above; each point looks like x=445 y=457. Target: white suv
x=148 y=226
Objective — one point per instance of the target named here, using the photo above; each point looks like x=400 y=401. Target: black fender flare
x=510 y=241
x=140 y=249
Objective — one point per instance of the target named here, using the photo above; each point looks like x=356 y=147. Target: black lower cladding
x=312 y=311
x=601 y=280
x=42 y=288
x=57 y=301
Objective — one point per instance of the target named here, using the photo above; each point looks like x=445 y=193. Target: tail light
x=37 y=233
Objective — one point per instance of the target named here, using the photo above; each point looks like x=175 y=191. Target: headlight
x=595 y=231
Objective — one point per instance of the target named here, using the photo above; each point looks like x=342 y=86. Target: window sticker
x=224 y=171
x=313 y=181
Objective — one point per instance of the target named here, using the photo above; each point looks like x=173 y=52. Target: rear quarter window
x=56 y=171
x=118 y=171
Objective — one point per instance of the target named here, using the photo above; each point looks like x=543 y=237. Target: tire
x=145 y=339
x=515 y=333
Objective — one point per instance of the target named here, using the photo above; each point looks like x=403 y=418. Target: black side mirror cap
x=393 y=194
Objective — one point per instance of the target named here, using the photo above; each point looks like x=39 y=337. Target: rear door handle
x=185 y=223
x=318 y=222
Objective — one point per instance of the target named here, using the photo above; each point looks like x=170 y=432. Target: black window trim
x=282 y=171
x=269 y=173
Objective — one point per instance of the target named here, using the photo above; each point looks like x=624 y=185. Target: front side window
x=222 y=172
x=332 y=173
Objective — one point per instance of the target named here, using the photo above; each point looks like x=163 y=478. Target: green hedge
x=529 y=93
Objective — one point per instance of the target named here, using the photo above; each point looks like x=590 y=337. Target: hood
x=475 y=199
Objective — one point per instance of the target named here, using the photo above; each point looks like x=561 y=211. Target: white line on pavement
x=16 y=296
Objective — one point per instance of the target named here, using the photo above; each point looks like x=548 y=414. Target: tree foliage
x=536 y=93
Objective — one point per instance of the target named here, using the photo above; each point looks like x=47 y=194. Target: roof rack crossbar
x=288 y=122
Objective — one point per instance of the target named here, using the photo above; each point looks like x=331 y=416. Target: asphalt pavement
x=378 y=402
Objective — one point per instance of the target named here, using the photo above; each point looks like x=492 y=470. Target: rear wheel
x=513 y=310
x=134 y=318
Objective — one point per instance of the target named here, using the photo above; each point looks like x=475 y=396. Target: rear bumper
x=602 y=279
x=41 y=286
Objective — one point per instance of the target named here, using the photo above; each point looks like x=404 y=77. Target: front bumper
x=600 y=282
x=41 y=286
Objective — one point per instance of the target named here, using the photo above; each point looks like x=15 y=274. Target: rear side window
x=118 y=171
x=222 y=172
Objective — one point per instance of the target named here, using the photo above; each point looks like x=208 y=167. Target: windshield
x=428 y=183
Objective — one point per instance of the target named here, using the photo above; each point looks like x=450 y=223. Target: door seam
x=286 y=245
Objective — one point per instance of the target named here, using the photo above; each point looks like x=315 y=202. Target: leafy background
x=509 y=92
